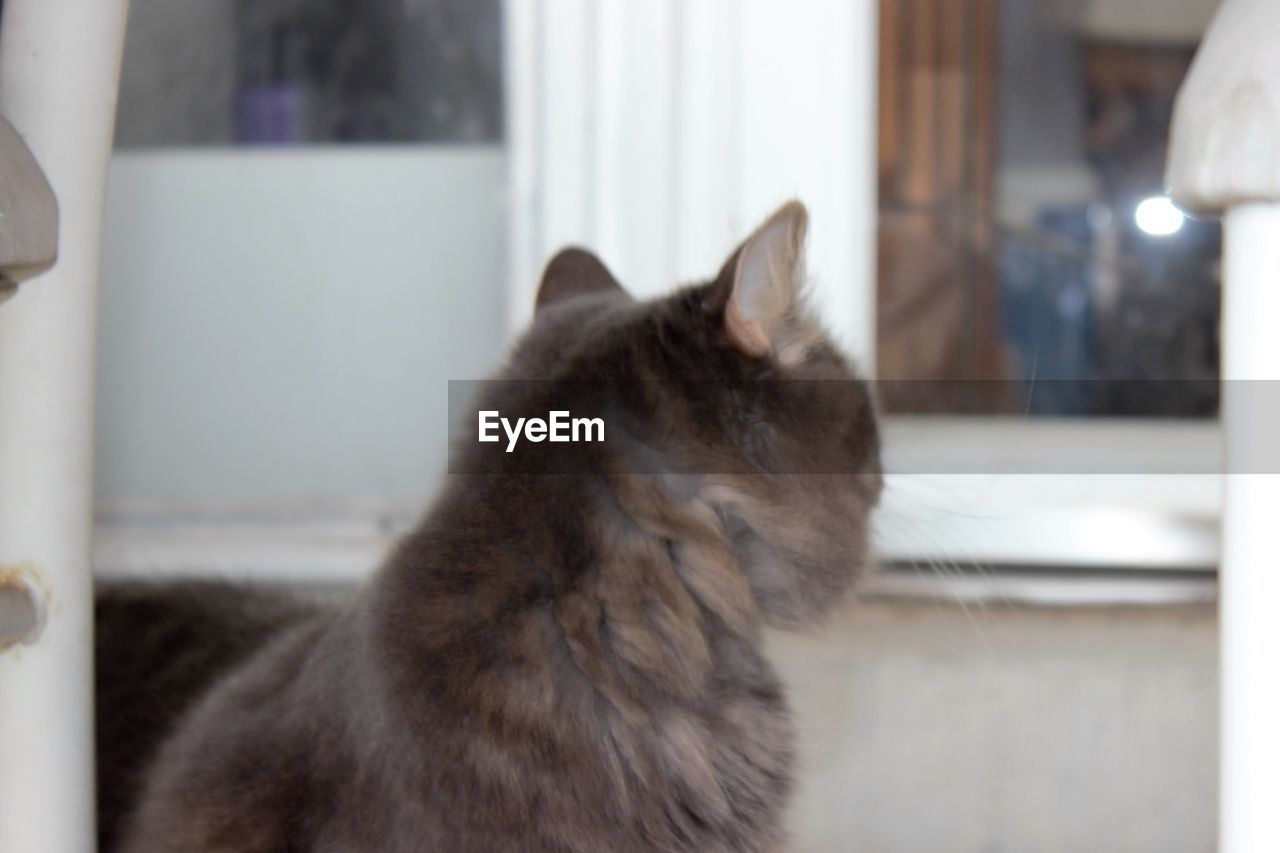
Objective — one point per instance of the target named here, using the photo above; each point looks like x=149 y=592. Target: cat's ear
x=573 y=272
x=762 y=283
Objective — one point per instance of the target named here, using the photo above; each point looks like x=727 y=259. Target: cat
x=557 y=661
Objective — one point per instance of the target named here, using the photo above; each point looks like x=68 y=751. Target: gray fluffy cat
x=561 y=662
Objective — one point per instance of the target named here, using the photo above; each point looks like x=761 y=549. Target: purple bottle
x=272 y=101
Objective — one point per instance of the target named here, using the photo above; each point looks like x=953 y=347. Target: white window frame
x=630 y=130
x=659 y=133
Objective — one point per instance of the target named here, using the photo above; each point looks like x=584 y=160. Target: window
x=1023 y=231
x=1021 y=257
x=302 y=245
x=1019 y=317
x=1054 y=316
x=278 y=72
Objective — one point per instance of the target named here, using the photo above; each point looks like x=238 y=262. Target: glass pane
x=288 y=72
x=1024 y=234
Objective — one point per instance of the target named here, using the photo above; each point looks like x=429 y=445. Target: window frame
x=564 y=166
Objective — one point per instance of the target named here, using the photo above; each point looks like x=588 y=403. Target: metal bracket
x=28 y=214
x=19 y=616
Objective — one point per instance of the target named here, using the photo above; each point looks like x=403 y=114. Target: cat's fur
x=551 y=662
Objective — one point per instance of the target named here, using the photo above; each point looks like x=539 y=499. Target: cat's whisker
x=953 y=568
x=949 y=573
x=940 y=577
x=959 y=598
x=964 y=557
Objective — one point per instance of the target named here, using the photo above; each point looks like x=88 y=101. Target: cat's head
x=726 y=398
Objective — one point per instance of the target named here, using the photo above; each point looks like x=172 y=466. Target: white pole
x=1249 y=598
x=59 y=69
x=1222 y=155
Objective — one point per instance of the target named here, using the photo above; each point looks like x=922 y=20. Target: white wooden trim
x=660 y=133
x=343 y=551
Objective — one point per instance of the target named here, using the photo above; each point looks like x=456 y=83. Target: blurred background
x=320 y=211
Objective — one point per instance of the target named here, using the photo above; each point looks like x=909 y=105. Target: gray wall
x=1006 y=730
x=278 y=328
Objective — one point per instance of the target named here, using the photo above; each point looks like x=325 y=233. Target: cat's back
x=159 y=647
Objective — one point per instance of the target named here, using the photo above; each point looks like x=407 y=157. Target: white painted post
x=1250 y=571
x=1224 y=155
x=59 y=68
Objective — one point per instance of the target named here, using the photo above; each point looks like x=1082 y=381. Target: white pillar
x=1249 y=602
x=1222 y=155
x=59 y=67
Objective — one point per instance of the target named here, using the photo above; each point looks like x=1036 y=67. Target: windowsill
x=1090 y=494
x=1039 y=587
x=1146 y=534
x=341 y=553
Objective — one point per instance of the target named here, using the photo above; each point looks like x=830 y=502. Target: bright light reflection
x=1158 y=217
